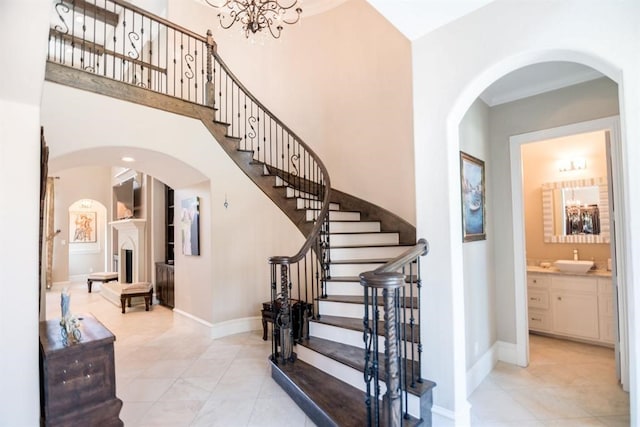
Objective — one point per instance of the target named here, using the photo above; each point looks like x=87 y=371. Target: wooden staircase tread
x=354 y=357
x=358 y=299
x=355 y=324
x=336 y=402
x=339 y=401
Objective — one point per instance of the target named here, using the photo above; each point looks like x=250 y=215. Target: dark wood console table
x=78 y=381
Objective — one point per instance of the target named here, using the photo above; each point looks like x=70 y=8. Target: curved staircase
x=346 y=236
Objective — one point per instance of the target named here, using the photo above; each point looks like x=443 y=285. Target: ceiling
x=415 y=18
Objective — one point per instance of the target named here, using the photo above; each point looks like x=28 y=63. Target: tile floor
x=170 y=373
x=566 y=384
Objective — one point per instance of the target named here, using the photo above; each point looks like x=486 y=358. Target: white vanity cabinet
x=573 y=306
x=574 y=302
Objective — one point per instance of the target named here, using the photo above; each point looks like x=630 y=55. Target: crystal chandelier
x=257 y=15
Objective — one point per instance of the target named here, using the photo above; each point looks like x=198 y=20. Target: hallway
x=566 y=384
x=170 y=373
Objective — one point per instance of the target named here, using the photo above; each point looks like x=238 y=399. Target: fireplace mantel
x=131 y=237
x=129 y=224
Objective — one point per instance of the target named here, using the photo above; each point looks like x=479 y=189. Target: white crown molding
x=536 y=89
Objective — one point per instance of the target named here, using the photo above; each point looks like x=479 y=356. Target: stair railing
x=120 y=41
x=396 y=286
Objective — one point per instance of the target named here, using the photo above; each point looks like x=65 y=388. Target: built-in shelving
x=169 y=227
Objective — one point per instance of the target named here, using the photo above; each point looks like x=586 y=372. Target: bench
x=142 y=289
x=105 y=276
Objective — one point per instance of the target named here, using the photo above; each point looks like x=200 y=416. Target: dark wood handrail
x=421 y=248
x=324 y=212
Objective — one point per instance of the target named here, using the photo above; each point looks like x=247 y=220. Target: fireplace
x=131 y=250
x=128 y=266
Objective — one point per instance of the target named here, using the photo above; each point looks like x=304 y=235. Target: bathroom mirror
x=576 y=211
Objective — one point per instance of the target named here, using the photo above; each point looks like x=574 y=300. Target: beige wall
x=88 y=182
x=540 y=164
x=340 y=80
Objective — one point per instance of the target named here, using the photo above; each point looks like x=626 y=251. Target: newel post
x=210 y=86
x=390 y=283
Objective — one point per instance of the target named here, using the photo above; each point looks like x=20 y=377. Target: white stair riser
x=314 y=204
x=363 y=239
x=344 y=288
x=351 y=270
x=353 y=338
x=351 y=376
x=356 y=311
x=355 y=288
x=369 y=252
x=334 y=215
x=354 y=227
x=292 y=192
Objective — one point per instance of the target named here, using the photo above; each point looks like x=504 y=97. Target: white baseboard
x=192 y=317
x=236 y=326
x=482 y=368
x=445 y=417
x=507 y=352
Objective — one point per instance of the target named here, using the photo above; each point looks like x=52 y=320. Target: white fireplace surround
x=131 y=236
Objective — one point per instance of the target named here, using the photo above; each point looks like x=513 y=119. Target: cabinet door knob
x=559 y=298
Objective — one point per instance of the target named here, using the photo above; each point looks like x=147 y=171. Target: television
x=125 y=196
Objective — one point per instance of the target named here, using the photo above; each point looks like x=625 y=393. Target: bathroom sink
x=571 y=266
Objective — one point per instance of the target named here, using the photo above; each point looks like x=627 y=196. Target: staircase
x=346 y=236
x=333 y=353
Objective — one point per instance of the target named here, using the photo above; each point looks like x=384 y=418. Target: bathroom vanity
x=574 y=306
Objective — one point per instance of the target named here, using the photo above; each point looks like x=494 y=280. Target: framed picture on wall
x=190 y=226
x=473 y=198
x=82 y=227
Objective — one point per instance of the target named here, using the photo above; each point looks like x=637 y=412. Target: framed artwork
x=190 y=226
x=82 y=227
x=473 y=198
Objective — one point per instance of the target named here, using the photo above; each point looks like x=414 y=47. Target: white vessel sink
x=571 y=266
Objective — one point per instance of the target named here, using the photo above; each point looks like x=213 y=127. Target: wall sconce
x=573 y=165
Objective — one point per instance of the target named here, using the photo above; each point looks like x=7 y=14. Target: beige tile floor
x=566 y=384
x=170 y=373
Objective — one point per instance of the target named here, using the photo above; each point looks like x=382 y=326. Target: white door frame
x=612 y=125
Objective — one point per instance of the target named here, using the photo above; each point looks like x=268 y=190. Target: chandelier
x=257 y=15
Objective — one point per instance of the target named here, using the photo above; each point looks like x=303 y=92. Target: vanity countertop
x=553 y=270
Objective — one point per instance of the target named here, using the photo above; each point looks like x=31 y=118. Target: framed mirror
x=576 y=211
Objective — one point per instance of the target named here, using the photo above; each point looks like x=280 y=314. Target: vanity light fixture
x=573 y=165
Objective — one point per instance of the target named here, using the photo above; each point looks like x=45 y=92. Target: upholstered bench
x=140 y=289
x=105 y=276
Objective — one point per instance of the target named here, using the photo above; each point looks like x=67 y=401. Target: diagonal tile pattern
x=170 y=373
